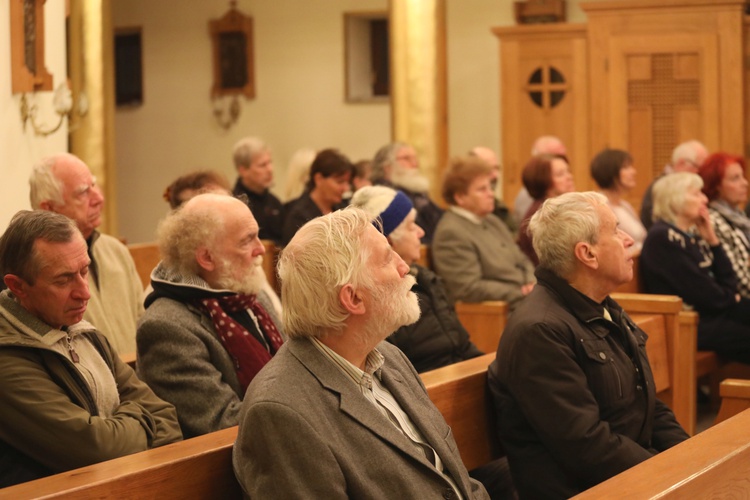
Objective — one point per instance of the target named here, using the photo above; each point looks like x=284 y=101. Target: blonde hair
x=669 y=194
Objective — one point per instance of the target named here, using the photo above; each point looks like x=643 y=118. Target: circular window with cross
x=546 y=87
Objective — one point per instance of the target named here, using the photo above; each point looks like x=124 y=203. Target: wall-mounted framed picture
x=28 y=72
x=233 y=68
x=128 y=67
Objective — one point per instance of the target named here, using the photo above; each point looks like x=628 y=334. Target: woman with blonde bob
x=683 y=256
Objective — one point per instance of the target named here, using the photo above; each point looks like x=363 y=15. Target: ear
x=46 y=205
x=318 y=178
x=459 y=198
x=351 y=300
x=586 y=254
x=204 y=258
x=15 y=284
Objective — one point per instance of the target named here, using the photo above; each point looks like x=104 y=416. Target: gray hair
x=246 y=150
x=688 y=151
x=384 y=157
x=325 y=255
x=43 y=185
x=183 y=231
x=18 y=254
x=669 y=194
x=546 y=144
x=374 y=200
x=560 y=224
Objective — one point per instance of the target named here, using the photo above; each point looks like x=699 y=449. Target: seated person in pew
x=682 y=255
x=208 y=327
x=357 y=420
x=63 y=184
x=192 y=184
x=571 y=384
x=437 y=339
x=67 y=400
x=473 y=251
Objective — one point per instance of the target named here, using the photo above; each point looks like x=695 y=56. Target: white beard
x=393 y=306
x=250 y=283
x=410 y=178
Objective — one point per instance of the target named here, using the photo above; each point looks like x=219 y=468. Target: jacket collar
x=354 y=405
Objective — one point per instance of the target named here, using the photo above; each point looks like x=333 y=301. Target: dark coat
x=267 y=210
x=437 y=339
x=574 y=393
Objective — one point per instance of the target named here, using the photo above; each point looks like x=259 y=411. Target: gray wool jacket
x=183 y=360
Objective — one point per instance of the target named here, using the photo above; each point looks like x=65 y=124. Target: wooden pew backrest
x=459 y=391
x=269 y=264
x=146 y=257
x=713 y=464
x=485 y=322
x=200 y=467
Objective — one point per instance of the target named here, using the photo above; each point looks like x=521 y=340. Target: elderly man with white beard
x=338 y=413
x=208 y=327
x=396 y=166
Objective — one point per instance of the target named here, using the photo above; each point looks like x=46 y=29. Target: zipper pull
x=73 y=353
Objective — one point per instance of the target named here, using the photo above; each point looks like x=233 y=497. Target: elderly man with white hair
x=209 y=327
x=338 y=413
x=396 y=165
x=62 y=183
x=571 y=384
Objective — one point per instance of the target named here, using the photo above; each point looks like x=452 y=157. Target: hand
x=527 y=288
x=705 y=228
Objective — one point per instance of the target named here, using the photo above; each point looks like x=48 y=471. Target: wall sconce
x=226 y=115
x=63 y=104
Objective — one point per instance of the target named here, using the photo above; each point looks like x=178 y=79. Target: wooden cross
x=547 y=87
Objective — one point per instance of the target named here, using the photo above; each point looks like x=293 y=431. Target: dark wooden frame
x=22 y=35
x=225 y=32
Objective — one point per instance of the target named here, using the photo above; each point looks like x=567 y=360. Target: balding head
x=689 y=156
x=548 y=145
x=487 y=155
x=213 y=236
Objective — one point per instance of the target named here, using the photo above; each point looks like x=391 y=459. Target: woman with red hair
x=725 y=185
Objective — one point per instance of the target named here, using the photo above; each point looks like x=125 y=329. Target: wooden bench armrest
x=735 y=398
x=648 y=303
x=485 y=322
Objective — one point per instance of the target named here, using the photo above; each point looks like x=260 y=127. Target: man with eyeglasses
x=686 y=157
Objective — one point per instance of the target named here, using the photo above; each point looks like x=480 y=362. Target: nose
x=420 y=232
x=402 y=267
x=260 y=248
x=81 y=289
x=627 y=239
x=97 y=196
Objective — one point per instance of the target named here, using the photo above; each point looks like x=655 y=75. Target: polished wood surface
x=485 y=322
x=146 y=256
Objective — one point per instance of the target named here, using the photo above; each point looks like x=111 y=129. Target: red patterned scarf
x=248 y=354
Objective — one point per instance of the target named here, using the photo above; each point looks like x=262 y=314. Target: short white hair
x=183 y=231
x=688 y=151
x=669 y=194
x=561 y=223
x=246 y=150
x=43 y=185
x=323 y=256
x=546 y=144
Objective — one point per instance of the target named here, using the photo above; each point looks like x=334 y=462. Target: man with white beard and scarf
x=208 y=327
x=396 y=166
x=338 y=412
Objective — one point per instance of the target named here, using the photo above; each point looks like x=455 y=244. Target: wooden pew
x=200 y=467
x=485 y=322
x=146 y=257
x=129 y=359
x=425 y=257
x=735 y=398
x=713 y=464
x=269 y=264
x=459 y=391
x=671 y=351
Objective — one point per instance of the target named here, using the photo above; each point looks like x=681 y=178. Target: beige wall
x=299 y=100
x=299 y=58
x=19 y=149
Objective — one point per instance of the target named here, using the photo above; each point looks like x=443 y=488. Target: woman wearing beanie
x=438 y=338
